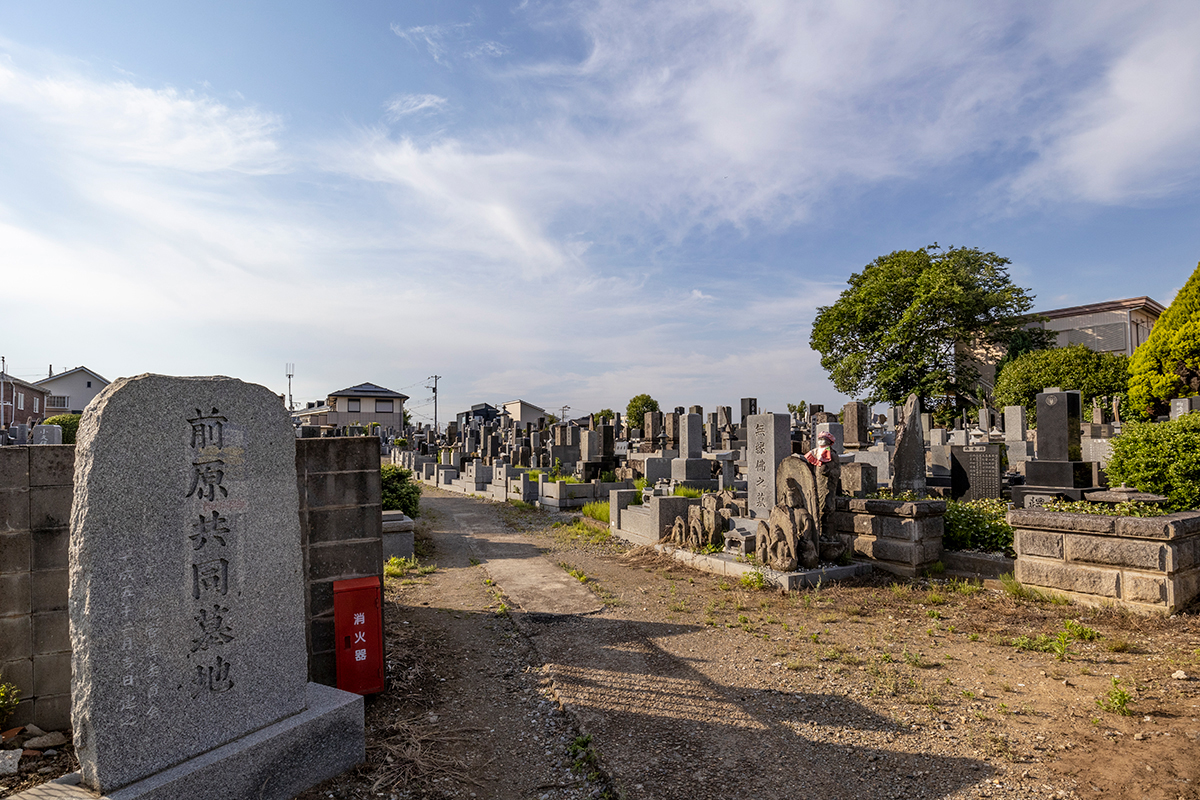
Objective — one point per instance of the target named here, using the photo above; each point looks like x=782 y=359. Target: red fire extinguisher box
x=358 y=631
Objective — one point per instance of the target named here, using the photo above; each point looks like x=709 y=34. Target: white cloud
x=131 y=124
x=404 y=104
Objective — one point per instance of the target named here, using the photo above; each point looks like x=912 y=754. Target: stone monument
x=908 y=459
x=189 y=675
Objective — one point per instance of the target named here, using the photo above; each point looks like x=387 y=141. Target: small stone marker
x=46 y=434
x=187 y=598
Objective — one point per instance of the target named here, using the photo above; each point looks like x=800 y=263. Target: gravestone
x=189 y=665
x=859 y=479
x=46 y=434
x=855 y=425
x=908 y=459
x=671 y=430
x=691 y=442
x=724 y=416
x=652 y=429
x=769 y=441
x=696 y=410
x=749 y=408
x=975 y=472
x=1184 y=405
x=1015 y=440
x=1058 y=471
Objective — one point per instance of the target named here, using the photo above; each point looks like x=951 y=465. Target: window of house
x=20 y=401
x=354 y=404
x=89 y=384
x=35 y=405
x=383 y=406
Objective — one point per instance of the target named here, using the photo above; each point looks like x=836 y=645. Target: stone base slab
x=726 y=564
x=275 y=763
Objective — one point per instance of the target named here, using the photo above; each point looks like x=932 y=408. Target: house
x=21 y=402
x=71 y=391
x=1114 y=326
x=523 y=413
x=364 y=404
x=313 y=413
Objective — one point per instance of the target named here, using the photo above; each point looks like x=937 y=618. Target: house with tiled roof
x=364 y=404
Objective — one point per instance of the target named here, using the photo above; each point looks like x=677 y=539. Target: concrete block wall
x=36 y=485
x=1142 y=563
x=904 y=538
x=341 y=530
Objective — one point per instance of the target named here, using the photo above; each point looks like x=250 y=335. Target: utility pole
x=562 y=415
x=3 y=369
x=434 y=378
x=290 y=369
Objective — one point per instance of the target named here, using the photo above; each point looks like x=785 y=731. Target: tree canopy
x=605 y=413
x=1075 y=367
x=639 y=404
x=896 y=330
x=1167 y=365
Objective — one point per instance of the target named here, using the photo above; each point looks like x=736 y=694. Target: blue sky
x=569 y=203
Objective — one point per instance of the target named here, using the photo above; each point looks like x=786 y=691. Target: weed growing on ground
x=1020 y=591
x=1081 y=632
x=597 y=510
x=1116 y=700
x=575 y=573
x=754 y=579
x=397 y=567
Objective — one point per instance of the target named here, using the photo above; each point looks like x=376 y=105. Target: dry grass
x=415 y=749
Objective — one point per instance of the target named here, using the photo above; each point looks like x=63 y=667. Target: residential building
x=21 y=402
x=1114 y=326
x=364 y=404
x=482 y=413
x=523 y=413
x=71 y=391
x=312 y=414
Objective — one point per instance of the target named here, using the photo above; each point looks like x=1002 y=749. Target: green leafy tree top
x=1167 y=365
x=639 y=404
x=895 y=331
x=1095 y=375
x=797 y=408
x=605 y=413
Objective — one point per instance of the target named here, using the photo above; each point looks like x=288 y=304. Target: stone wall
x=341 y=530
x=36 y=485
x=904 y=538
x=1142 y=563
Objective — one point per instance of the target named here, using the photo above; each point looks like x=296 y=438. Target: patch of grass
x=1118 y=646
x=754 y=579
x=580 y=531
x=597 y=510
x=1116 y=700
x=935 y=599
x=474 y=561
x=933 y=613
x=521 y=504
x=400 y=567
x=687 y=491
x=575 y=573
x=1020 y=591
x=901 y=591
x=964 y=587
x=1081 y=632
x=1041 y=644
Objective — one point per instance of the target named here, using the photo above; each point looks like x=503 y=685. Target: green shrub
x=1167 y=365
x=608 y=477
x=1075 y=367
x=977 y=525
x=400 y=491
x=597 y=511
x=687 y=491
x=69 y=424
x=1163 y=458
x=10 y=695
x=1126 y=509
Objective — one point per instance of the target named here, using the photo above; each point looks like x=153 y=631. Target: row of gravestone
x=40 y=434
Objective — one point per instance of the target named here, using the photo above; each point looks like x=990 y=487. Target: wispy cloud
x=405 y=104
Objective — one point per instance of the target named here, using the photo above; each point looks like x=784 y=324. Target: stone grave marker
x=46 y=434
x=749 y=408
x=189 y=667
x=769 y=441
x=691 y=442
x=855 y=424
x=908 y=459
x=975 y=472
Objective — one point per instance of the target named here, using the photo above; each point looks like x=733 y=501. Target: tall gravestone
x=908 y=459
x=749 y=407
x=1058 y=470
x=768 y=442
x=855 y=425
x=671 y=430
x=189 y=668
x=691 y=437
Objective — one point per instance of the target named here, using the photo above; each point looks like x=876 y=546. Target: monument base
x=274 y=763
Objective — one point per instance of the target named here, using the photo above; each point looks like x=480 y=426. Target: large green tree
x=1095 y=375
x=897 y=329
x=1167 y=365
x=639 y=404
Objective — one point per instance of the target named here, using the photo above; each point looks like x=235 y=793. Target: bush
x=1162 y=458
x=1075 y=367
x=978 y=525
x=635 y=411
x=69 y=424
x=400 y=492
x=1126 y=509
x=597 y=511
x=1167 y=365
x=10 y=695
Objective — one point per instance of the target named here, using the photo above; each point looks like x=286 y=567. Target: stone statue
x=706 y=523
x=799 y=530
